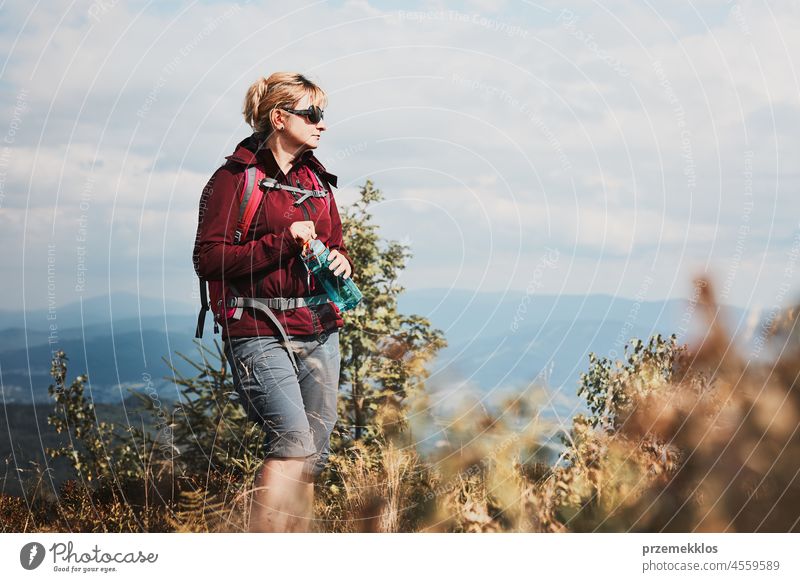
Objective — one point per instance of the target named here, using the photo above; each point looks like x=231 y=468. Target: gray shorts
x=296 y=410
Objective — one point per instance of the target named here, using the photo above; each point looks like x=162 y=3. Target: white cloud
x=476 y=133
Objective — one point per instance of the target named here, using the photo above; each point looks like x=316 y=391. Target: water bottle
x=343 y=292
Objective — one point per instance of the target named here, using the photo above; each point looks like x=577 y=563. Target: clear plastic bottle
x=343 y=292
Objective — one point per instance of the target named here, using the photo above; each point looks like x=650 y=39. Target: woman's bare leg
x=283 y=499
x=306 y=515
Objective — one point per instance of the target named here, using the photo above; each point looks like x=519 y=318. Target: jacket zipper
x=296 y=184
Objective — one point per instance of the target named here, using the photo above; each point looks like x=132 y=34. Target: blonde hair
x=274 y=92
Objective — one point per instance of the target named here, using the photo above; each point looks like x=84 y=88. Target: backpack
x=249 y=201
x=225 y=301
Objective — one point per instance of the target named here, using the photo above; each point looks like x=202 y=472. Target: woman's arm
x=215 y=255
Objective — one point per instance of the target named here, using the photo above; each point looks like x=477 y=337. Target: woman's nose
x=321 y=125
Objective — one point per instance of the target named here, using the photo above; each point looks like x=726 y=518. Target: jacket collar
x=253 y=150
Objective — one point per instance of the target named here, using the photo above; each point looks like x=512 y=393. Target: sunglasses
x=314 y=113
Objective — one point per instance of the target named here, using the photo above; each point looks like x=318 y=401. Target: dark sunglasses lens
x=316 y=114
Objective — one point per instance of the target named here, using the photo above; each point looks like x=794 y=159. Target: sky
x=630 y=146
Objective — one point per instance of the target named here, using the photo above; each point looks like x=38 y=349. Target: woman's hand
x=303 y=231
x=339 y=264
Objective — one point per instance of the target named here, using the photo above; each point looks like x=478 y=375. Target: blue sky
x=646 y=142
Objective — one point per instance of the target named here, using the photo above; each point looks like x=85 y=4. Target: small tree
x=384 y=352
x=99 y=452
x=604 y=469
x=610 y=388
x=116 y=488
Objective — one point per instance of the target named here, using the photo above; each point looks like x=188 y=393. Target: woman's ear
x=277 y=119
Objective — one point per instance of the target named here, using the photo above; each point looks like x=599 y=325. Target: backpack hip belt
x=281 y=303
x=266 y=304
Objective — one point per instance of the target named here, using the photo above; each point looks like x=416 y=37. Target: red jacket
x=267 y=263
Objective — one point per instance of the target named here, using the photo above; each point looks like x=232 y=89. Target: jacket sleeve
x=337 y=240
x=216 y=257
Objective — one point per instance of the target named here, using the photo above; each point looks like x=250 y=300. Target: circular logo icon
x=31 y=555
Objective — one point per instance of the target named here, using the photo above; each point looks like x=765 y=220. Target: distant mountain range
x=498 y=342
x=118 y=340
x=501 y=344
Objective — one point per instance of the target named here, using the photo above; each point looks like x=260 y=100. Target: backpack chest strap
x=270 y=183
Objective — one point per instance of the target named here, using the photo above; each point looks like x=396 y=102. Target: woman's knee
x=306 y=469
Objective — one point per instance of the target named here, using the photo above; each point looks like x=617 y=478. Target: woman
x=284 y=360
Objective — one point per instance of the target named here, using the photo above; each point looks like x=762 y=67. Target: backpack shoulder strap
x=250 y=199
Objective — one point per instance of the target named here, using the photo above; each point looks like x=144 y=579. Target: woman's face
x=298 y=130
